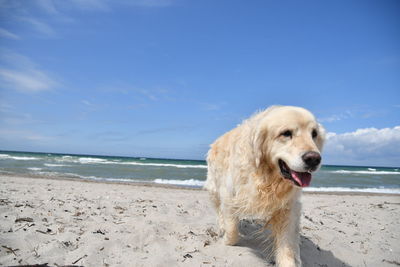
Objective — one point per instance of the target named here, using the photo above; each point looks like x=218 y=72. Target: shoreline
x=66 y=221
x=182 y=187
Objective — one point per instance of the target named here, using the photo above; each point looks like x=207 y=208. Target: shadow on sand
x=254 y=237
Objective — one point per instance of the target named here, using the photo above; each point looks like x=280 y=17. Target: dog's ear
x=259 y=139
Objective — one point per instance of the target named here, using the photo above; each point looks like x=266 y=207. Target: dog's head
x=289 y=140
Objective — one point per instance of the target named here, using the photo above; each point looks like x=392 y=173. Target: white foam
x=50 y=174
x=5 y=156
x=367 y=172
x=83 y=160
x=86 y=160
x=352 y=190
x=108 y=179
x=190 y=182
x=93 y=161
x=67 y=159
x=35 y=169
x=55 y=165
x=183 y=166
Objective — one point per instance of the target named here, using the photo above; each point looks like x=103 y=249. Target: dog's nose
x=311 y=159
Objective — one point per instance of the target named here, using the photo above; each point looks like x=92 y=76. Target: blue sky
x=165 y=78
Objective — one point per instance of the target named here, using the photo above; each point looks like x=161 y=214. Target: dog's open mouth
x=301 y=179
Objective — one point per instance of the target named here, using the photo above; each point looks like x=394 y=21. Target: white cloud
x=369 y=146
x=20 y=73
x=7 y=34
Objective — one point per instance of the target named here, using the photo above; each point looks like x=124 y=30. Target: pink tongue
x=303 y=178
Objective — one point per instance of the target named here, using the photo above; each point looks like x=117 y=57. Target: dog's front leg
x=285 y=229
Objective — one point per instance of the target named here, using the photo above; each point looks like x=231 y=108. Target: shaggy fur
x=245 y=179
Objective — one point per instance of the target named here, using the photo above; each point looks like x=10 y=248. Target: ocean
x=185 y=173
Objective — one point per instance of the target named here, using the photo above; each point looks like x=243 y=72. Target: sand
x=69 y=222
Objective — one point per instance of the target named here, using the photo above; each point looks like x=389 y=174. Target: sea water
x=187 y=173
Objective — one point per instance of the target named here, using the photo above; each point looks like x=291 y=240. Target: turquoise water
x=182 y=172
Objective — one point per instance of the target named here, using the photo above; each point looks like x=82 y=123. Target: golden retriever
x=258 y=169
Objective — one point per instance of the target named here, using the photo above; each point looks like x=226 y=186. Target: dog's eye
x=314 y=133
x=287 y=133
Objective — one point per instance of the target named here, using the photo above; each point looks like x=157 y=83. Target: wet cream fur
x=244 y=178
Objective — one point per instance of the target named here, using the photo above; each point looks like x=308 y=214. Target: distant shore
x=71 y=221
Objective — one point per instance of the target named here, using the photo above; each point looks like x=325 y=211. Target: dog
x=258 y=169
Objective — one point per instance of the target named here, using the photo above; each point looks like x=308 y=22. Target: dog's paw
x=231 y=240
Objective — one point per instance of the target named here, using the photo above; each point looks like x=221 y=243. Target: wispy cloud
x=28 y=81
x=17 y=119
x=25 y=15
x=105 y=5
x=143 y=96
x=7 y=34
x=337 y=117
x=97 y=5
x=369 y=146
x=23 y=135
x=57 y=6
x=87 y=103
x=110 y=136
x=149 y=94
x=22 y=74
x=39 y=26
x=12 y=116
x=48 y=6
x=180 y=129
x=212 y=106
x=43 y=17
x=353 y=113
x=151 y=3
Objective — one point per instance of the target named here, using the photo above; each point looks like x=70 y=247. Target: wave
x=93 y=161
x=70 y=159
x=5 y=156
x=55 y=165
x=35 y=169
x=370 y=171
x=183 y=166
x=86 y=160
x=190 y=182
x=353 y=190
x=83 y=160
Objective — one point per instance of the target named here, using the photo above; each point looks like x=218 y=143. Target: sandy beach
x=70 y=222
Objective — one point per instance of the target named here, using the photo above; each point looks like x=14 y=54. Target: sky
x=165 y=78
